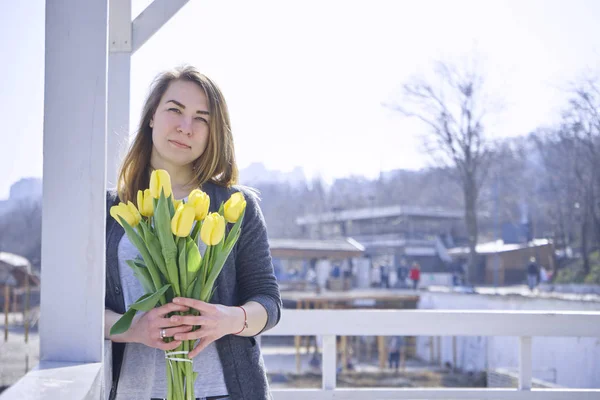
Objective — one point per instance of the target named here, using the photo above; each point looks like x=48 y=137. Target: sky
x=305 y=80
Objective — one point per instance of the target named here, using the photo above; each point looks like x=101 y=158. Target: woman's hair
x=217 y=162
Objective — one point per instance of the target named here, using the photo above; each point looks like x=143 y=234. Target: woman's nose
x=185 y=126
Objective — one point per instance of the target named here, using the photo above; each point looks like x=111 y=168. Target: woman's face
x=180 y=124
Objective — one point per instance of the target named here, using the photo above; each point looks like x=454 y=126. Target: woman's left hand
x=215 y=321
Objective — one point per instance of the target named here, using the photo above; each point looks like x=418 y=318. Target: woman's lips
x=179 y=144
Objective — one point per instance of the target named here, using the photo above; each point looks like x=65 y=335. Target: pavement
x=17 y=357
x=516 y=290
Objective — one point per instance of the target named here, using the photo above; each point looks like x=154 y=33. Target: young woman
x=185 y=130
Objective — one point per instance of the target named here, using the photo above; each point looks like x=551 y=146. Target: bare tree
x=451 y=105
x=581 y=127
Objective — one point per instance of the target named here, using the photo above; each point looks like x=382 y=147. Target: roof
x=343 y=244
x=14 y=269
x=380 y=212
x=499 y=246
x=309 y=248
x=13 y=260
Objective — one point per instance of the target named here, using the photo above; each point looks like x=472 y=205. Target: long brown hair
x=217 y=162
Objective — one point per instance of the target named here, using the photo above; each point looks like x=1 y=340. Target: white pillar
x=73 y=222
x=525 y=363
x=119 y=83
x=329 y=366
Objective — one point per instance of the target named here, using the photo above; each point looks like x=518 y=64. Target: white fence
x=80 y=381
x=523 y=324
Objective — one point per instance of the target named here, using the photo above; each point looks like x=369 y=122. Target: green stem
x=169 y=381
x=195 y=231
x=189 y=374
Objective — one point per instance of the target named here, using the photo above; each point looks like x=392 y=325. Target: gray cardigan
x=246 y=276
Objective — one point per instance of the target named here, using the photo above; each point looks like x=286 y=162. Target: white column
x=525 y=363
x=329 y=365
x=119 y=83
x=73 y=222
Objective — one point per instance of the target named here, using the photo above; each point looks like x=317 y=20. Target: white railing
x=523 y=324
x=80 y=381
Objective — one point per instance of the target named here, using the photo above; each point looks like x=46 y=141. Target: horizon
x=311 y=96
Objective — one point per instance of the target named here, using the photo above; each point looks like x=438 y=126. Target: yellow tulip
x=213 y=229
x=126 y=211
x=234 y=207
x=183 y=220
x=160 y=179
x=201 y=203
x=177 y=203
x=145 y=203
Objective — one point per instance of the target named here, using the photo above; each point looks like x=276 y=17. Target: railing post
x=525 y=363
x=329 y=362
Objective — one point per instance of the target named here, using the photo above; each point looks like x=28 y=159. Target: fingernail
x=176 y=300
x=174 y=318
x=177 y=337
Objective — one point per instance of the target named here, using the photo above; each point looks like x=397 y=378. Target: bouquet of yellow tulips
x=165 y=232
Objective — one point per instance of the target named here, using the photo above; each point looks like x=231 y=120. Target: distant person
x=533 y=273
x=397 y=353
x=336 y=272
x=375 y=276
x=458 y=274
x=402 y=272
x=311 y=275
x=385 y=277
x=415 y=274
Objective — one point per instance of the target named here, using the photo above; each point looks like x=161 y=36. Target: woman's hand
x=146 y=329
x=215 y=321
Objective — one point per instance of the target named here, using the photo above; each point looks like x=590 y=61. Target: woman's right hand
x=146 y=327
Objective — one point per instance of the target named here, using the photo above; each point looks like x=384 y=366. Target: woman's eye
x=177 y=110
x=201 y=119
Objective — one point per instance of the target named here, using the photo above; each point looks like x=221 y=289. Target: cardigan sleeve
x=255 y=276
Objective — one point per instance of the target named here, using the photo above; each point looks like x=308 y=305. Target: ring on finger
x=163 y=333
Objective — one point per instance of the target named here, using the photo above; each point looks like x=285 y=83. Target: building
x=292 y=258
x=390 y=234
x=503 y=263
x=17 y=278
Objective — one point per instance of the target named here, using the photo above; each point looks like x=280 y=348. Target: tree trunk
x=470 y=193
x=585 y=246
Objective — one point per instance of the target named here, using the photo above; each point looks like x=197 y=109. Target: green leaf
x=218 y=259
x=171 y=205
x=123 y=324
x=162 y=226
x=234 y=233
x=139 y=243
x=142 y=274
x=148 y=301
x=183 y=276
x=153 y=245
x=190 y=289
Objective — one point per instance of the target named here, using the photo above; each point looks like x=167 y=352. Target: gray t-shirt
x=140 y=361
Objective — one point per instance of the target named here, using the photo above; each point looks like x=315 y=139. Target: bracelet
x=245 y=320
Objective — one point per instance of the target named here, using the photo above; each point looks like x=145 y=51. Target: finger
x=196 y=304
x=180 y=329
x=169 y=308
x=167 y=346
x=160 y=323
x=193 y=320
x=201 y=346
x=197 y=334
